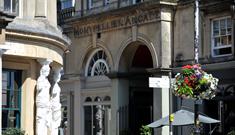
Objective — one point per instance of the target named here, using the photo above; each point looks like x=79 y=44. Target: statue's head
x=57 y=74
x=45 y=70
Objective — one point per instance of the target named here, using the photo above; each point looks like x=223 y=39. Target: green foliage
x=232 y=132
x=186 y=89
x=187 y=71
x=145 y=130
x=13 y=131
x=194 y=83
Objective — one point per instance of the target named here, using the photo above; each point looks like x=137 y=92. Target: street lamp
x=196 y=54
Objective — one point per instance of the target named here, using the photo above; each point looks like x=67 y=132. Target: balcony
x=67 y=13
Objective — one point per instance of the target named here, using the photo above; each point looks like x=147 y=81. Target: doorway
x=141 y=108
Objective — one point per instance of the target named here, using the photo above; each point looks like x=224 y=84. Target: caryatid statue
x=43 y=99
x=55 y=103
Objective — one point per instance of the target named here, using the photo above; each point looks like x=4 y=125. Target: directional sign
x=155 y=82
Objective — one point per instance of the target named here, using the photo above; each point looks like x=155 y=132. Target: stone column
x=43 y=98
x=55 y=102
x=41 y=8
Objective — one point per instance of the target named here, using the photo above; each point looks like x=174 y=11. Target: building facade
x=118 y=44
x=32 y=41
x=114 y=47
x=216 y=55
x=4 y=20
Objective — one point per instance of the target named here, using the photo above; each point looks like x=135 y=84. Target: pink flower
x=196 y=66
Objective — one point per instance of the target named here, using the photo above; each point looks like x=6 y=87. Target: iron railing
x=67 y=13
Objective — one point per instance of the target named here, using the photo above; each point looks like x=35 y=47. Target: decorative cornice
x=123 y=11
x=37 y=28
x=14 y=35
x=215 y=6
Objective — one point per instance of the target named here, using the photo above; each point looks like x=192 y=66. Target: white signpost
x=155 y=82
x=164 y=82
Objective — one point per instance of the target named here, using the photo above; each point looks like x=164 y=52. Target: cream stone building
x=31 y=40
x=118 y=44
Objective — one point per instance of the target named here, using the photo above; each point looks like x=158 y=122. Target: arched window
x=107 y=98
x=88 y=99
x=97 y=99
x=97 y=64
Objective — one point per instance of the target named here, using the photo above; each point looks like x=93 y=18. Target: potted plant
x=145 y=130
x=232 y=132
x=13 y=131
x=194 y=83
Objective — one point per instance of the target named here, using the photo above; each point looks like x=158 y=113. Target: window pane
x=216 y=42
x=98 y=128
x=216 y=32
x=222 y=24
x=222 y=36
x=224 y=40
x=229 y=23
x=107 y=119
x=4 y=80
x=215 y=28
x=88 y=120
x=88 y=99
x=7 y=5
x=216 y=24
x=107 y=98
x=223 y=51
x=11 y=98
x=15 y=5
x=98 y=64
x=98 y=99
x=223 y=32
x=229 y=31
x=229 y=39
x=66 y=4
x=223 y=27
x=4 y=98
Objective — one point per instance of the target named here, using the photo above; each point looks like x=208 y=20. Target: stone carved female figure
x=42 y=99
x=55 y=103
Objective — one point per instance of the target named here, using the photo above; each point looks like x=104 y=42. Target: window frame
x=213 y=47
x=105 y=62
x=93 y=104
x=12 y=79
x=65 y=4
x=106 y=2
x=89 y=4
x=135 y=1
x=12 y=7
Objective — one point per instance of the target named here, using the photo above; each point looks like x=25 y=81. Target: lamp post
x=196 y=54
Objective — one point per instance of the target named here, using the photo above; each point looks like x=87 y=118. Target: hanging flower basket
x=194 y=83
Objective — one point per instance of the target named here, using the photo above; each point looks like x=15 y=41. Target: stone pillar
x=41 y=8
x=43 y=98
x=1 y=52
x=55 y=102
